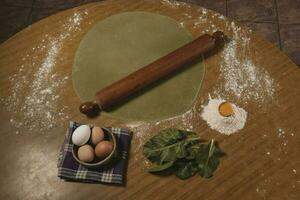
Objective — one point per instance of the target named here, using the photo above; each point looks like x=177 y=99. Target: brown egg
x=103 y=149
x=97 y=135
x=86 y=153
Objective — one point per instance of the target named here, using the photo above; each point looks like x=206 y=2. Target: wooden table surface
x=259 y=164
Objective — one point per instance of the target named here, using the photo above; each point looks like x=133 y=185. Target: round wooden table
x=261 y=162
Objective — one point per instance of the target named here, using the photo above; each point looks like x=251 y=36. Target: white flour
x=242 y=79
x=224 y=125
x=174 y=4
x=39 y=107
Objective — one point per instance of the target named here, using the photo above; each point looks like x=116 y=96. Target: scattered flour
x=241 y=77
x=38 y=108
x=281 y=133
x=174 y=4
x=224 y=125
x=241 y=80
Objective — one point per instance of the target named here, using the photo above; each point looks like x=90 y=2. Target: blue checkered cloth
x=70 y=170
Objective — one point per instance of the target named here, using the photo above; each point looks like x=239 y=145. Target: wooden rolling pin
x=172 y=62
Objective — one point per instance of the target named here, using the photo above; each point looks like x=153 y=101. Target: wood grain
x=28 y=160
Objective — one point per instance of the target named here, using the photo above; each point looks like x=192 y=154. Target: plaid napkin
x=70 y=170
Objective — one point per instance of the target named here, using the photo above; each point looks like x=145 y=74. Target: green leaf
x=186 y=169
x=183 y=152
x=208 y=159
x=193 y=151
x=158 y=168
x=167 y=155
x=180 y=150
x=168 y=145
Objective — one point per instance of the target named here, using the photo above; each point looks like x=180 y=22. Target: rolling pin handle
x=90 y=109
x=220 y=38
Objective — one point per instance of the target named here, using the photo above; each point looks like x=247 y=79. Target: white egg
x=81 y=135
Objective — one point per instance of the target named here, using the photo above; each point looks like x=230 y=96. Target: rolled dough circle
x=125 y=42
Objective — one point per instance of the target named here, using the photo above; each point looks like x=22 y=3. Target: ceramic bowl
x=98 y=162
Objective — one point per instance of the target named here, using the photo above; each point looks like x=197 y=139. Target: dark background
x=277 y=20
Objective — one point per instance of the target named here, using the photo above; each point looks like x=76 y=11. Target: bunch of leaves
x=183 y=153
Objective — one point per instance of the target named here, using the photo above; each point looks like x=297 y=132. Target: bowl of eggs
x=93 y=146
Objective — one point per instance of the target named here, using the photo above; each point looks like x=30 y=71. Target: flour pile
x=224 y=125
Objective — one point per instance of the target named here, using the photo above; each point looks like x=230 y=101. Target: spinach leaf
x=193 y=151
x=183 y=153
x=208 y=159
x=185 y=169
x=168 y=145
x=158 y=168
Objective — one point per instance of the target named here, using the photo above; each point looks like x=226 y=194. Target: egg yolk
x=225 y=109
